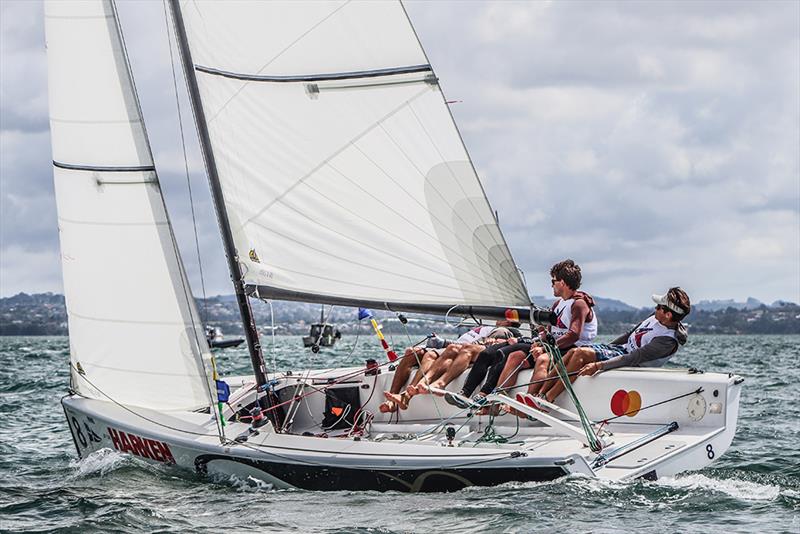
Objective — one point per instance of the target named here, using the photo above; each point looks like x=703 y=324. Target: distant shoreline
x=45 y=314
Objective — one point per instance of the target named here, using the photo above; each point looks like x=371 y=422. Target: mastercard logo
x=626 y=403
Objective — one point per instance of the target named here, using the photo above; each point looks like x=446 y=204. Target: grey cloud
x=650 y=141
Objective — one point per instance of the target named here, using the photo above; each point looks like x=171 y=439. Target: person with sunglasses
x=650 y=344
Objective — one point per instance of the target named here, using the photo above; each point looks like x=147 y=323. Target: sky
x=655 y=143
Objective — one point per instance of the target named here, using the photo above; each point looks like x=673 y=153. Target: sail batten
x=351 y=182
x=101 y=168
x=314 y=77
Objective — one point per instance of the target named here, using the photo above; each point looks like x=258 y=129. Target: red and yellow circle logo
x=626 y=403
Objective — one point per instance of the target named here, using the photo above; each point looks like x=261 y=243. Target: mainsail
x=134 y=330
x=344 y=176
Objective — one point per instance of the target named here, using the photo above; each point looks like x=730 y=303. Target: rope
x=491 y=436
x=555 y=357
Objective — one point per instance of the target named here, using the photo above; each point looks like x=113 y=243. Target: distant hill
x=45 y=314
x=716 y=305
x=601 y=303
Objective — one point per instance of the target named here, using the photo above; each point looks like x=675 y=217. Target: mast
x=250 y=329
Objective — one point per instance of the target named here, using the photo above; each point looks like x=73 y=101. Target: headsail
x=140 y=346
x=344 y=176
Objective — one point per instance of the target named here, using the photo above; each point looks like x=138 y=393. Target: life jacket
x=648 y=330
x=482 y=332
x=563 y=311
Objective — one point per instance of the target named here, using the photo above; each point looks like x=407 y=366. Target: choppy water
x=754 y=487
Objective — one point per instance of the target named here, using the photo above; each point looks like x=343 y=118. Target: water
x=754 y=487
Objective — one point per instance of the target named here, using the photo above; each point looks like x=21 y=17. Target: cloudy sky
x=656 y=143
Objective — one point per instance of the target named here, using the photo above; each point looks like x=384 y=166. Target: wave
x=101 y=463
x=738 y=489
x=244 y=484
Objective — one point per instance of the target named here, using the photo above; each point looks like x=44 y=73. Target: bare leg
x=428 y=359
x=552 y=376
x=458 y=365
x=438 y=369
x=540 y=370
x=412 y=357
x=435 y=371
x=575 y=359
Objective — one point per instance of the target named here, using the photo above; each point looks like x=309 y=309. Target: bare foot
x=411 y=390
x=388 y=407
x=423 y=389
x=401 y=399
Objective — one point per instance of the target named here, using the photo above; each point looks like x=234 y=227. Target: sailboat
x=338 y=177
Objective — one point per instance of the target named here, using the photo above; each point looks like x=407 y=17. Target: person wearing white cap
x=650 y=344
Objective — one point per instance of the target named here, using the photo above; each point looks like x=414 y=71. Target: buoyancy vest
x=647 y=331
x=482 y=332
x=563 y=310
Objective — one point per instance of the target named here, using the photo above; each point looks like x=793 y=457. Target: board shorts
x=606 y=352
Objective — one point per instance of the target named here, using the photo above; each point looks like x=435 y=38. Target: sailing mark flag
x=364 y=313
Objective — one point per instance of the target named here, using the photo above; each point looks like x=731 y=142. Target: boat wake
x=243 y=484
x=101 y=463
x=738 y=489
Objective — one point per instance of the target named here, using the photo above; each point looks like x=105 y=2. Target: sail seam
x=390 y=71
x=519 y=279
x=302 y=36
x=352 y=261
x=123 y=321
x=455 y=212
x=499 y=282
x=433 y=215
x=101 y=168
x=375 y=224
x=90 y=365
x=332 y=155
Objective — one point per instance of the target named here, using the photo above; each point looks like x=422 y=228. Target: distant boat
x=322 y=334
x=216 y=340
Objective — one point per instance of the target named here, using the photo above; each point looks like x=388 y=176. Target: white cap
x=663 y=300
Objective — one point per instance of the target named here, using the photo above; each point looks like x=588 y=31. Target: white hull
x=399 y=455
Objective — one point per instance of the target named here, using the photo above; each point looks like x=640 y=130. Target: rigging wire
x=186 y=164
x=186 y=292
x=272 y=328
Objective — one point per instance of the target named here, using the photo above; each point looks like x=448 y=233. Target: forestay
x=342 y=171
x=134 y=330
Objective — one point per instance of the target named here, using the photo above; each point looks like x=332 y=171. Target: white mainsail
x=134 y=331
x=342 y=171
